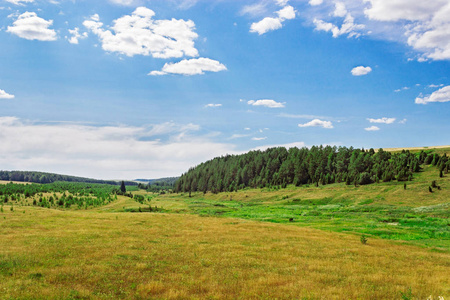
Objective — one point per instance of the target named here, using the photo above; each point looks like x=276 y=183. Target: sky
x=126 y=89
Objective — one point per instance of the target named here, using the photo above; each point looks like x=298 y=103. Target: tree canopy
x=317 y=165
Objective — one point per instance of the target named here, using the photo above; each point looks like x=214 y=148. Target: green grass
x=384 y=210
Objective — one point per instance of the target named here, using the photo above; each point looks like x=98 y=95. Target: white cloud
x=286 y=13
x=256 y=9
x=29 y=26
x=315 y=2
x=317 y=123
x=5 y=95
x=441 y=95
x=19 y=2
x=270 y=23
x=423 y=25
x=359 y=71
x=281 y=2
x=195 y=66
x=372 y=128
x=265 y=25
x=395 y=10
x=401 y=89
x=76 y=35
x=427 y=24
x=259 y=138
x=267 y=103
x=348 y=27
x=403 y=121
x=435 y=85
x=340 y=10
x=107 y=152
x=213 y=105
x=140 y=34
x=382 y=120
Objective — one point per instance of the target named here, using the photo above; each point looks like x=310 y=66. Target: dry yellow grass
x=48 y=254
x=414 y=149
x=17 y=182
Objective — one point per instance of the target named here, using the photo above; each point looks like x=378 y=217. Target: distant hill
x=164 y=181
x=43 y=177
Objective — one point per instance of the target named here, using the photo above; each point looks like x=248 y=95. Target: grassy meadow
x=294 y=243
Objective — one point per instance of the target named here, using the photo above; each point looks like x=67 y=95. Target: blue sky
x=145 y=89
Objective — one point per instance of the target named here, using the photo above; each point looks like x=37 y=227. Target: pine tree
x=123 y=189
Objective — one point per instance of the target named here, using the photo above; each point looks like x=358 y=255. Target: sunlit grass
x=52 y=254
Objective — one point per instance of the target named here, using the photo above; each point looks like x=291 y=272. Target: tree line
x=43 y=177
x=317 y=165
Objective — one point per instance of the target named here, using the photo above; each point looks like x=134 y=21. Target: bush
x=363 y=239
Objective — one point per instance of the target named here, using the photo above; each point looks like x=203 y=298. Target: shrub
x=363 y=239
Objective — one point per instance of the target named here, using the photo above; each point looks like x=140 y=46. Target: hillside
x=317 y=165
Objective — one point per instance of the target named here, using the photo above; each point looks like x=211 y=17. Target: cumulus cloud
x=427 y=23
x=267 y=103
x=76 y=36
x=372 y=128
x=360 y=71
x=273 y=23
x=348 y=26
x=340 y=10
x=265 y=25
x=382 y=120
x=140 y=34
x=107 y=152
x=213 y=105
x=29 y=26
x=441 y=95
x=5 y=95
x=317 y=123
x=194 y=66
x=423 y=25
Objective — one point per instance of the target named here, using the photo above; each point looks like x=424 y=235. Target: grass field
x=50 y=254
x=294 y=243
x=385 y=210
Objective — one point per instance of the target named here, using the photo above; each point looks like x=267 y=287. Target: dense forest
x=42 y=177
x=317 y=165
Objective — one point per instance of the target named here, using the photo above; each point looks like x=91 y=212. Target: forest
x=43 y=177
x=317 y=165
x=61 y=194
